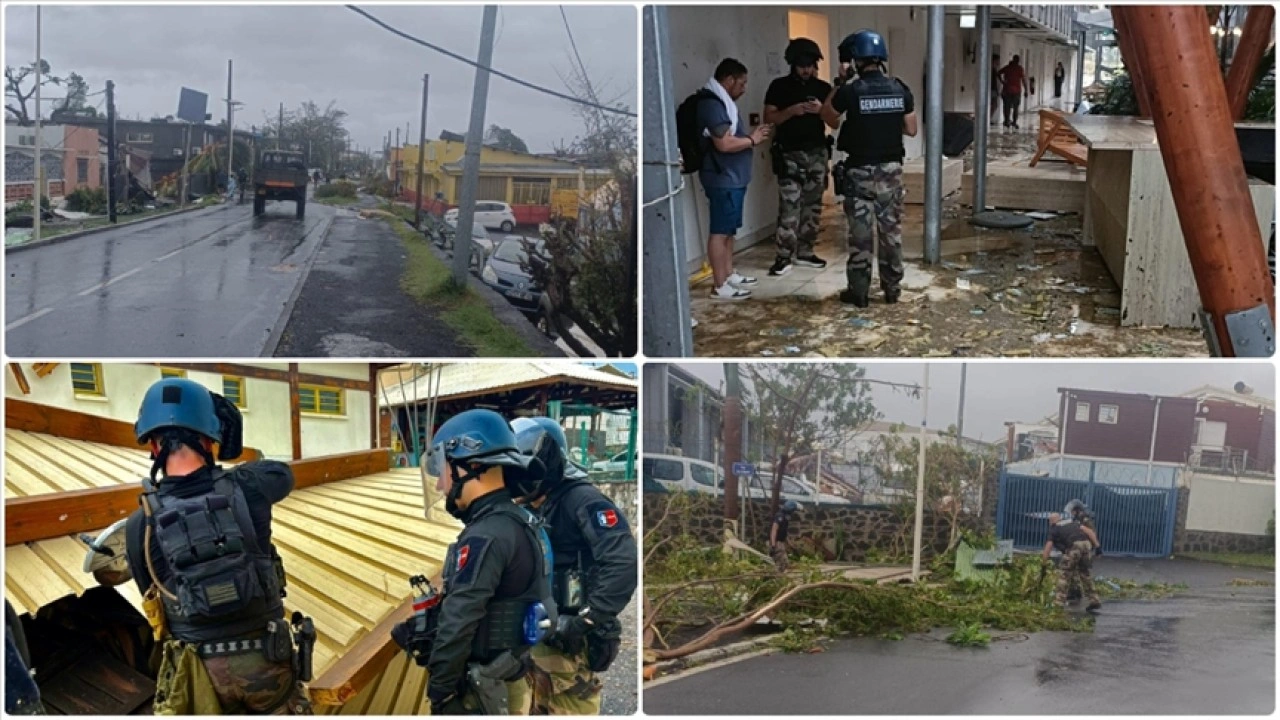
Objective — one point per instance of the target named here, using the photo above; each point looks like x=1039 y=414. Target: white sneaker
x=738 y=280
x=728 y=292
x=693 y=322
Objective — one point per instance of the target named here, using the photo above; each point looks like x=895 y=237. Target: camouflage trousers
x=874 y=204
x=779 y=554
x=562 y=684
x=1074 y=568
x=244 y=684
x=801 y=182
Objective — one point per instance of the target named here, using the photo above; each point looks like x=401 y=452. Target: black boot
x=891 y=295
x=859 y=289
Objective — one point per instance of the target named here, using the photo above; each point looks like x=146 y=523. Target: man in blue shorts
x=725 y=173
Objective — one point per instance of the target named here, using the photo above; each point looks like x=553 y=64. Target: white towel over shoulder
x=730 y=107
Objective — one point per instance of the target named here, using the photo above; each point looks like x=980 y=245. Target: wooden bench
x=1057 y=137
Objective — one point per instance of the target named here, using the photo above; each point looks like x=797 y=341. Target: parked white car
x=617 y=463
x=489 y=213
x=677 y=473
x=690 y=475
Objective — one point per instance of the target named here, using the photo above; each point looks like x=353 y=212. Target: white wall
x=266 y=415
x=1230 y=505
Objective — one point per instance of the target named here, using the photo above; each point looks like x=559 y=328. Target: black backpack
x=693 y=148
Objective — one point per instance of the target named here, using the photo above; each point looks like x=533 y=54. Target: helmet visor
x=435 y=482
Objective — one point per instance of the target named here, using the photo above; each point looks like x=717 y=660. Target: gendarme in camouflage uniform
x=801 y=152
x=878 y=110
x=1077 y=559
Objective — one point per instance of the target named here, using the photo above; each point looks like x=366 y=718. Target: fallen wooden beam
x=21 y=379
x=40 y=517
x=331 y=468
x=51 y=515
x=73 y=425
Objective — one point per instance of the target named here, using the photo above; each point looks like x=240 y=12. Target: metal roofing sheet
x=349 y=547
x=461 y=379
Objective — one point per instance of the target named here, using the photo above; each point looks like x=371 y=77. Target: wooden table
x=1130 y=216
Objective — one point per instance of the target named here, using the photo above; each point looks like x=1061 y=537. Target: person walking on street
x=214 y=600
x=1078 y=513
x=1076 y=544
x=879 y=110
x=594 y=577
x=497 y=575
x=800 y=152
x=778 y=535
x=726 y=172
x=1013 y=82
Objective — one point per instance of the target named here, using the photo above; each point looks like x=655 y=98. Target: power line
x=581 y=66
x=478 y=66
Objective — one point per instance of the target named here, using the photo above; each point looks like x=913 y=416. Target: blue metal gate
x=1132 y=520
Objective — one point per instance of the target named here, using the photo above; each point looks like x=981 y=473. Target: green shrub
x=339 y=188
x=88 y=200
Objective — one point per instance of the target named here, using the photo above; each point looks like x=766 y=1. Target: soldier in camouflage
x=800 y=155
x=1076 y=544
x=878 y=111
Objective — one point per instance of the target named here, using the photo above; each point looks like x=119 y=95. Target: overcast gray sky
x=322 y=53
x=1024 y=391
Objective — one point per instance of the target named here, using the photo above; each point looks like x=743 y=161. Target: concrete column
x=982 y=110
x=933 y=137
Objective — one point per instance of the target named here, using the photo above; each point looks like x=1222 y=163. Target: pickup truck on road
x=280 y=175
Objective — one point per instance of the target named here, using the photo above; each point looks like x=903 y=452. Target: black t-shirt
x=806 y=131
x=783 y=521
x=874 y=106
x=1066 y=535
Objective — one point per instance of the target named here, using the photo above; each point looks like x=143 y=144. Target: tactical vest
x=227 y=586
x=503 y=626
x=1064 y=536
x=872 y=129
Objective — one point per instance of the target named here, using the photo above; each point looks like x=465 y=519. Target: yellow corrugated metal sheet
x=460 y=379
x=349 y=547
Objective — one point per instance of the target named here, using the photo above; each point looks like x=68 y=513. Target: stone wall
x=624 y=494
x=846 y=532
x=1221 y=542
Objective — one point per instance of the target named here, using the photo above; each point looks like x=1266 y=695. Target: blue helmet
x=863 y=45
x=542 y=439
x=474 y=436
x=178 y=403
x=790 y=506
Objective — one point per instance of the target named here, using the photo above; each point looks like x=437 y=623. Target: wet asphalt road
x=351 y=304
x=211 y=283
x=1208 y=650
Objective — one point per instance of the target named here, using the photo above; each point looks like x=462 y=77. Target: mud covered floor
x=1012 y=293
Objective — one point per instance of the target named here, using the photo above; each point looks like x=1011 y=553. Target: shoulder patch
x=605 y=517
x=467 y=559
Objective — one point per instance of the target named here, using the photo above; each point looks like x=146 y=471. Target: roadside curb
x=711 y=658
x=82 y=233
x=503 y=310
x=286 y=314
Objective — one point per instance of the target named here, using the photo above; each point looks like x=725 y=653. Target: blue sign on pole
x=741 y=468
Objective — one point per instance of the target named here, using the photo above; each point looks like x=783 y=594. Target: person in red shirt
x=1013 y=80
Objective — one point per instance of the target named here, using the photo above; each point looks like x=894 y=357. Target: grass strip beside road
x=337 y=200
x=427 y=280
x=1256 y=560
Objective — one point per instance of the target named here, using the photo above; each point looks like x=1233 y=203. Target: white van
x=691 y=475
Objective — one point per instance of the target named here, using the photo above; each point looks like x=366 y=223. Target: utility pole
x=422 y=142
x=186 y=165
x=920 y=498
x=231 y=133
x=396 y=160
x=964 y=371
x=933 y=137
x=280 y=128
x=111 y=151
x=38 y=179
x=471 y=159
x=732 y=421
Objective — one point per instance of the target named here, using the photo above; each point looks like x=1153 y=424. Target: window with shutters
x=166 y=373
x=233 y=390
x=86 y=380
x=492 y=188
x=322 y=400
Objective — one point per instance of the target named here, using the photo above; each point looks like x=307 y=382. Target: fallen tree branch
x=651 y=611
